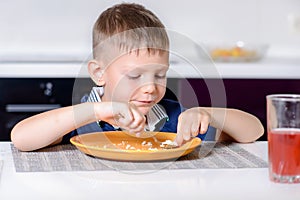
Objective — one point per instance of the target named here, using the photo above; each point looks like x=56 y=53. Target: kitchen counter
x=245 y=183
x=271 y=67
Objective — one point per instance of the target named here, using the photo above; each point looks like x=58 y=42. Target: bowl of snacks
x=236 y=52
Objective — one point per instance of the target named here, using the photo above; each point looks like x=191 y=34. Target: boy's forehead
x=144 y=67
x=141 y=61
x=144 y=57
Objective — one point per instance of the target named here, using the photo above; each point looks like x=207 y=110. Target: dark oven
x=24 y=97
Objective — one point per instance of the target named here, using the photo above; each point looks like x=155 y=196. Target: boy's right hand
x=124 y=115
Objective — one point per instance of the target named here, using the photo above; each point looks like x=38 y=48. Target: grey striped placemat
x=68 y=158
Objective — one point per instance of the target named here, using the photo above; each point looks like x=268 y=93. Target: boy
x=131 y=59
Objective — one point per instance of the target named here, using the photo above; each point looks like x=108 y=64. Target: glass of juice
x=283 y=124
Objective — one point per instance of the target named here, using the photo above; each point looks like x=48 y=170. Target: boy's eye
x=132 y=77
x=137 y=76
x=160 y=76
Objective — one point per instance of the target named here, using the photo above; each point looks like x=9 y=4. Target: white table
x=179 y=184
x=272 y=67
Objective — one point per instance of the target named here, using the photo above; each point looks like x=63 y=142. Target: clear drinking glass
x=283 y=122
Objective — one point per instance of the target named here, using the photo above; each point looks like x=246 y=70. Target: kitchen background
x=64 y=27
x=38 y=35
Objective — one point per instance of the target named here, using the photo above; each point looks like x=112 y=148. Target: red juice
x=284 y=152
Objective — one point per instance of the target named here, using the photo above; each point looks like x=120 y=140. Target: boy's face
x=137 y=78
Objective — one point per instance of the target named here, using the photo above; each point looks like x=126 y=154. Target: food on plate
x=150 y=145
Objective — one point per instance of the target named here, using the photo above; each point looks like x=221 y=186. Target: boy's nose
x=149 y=87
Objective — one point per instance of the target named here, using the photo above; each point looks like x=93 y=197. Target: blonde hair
x=127 y=27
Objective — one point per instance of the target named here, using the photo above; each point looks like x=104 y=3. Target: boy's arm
x=49 y=127
x=236 y=124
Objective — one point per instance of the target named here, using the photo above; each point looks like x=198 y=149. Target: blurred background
x=56 y=26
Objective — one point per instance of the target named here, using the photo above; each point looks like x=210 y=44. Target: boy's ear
x=96 y=70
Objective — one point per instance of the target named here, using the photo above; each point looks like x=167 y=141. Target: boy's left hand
x=190 y=123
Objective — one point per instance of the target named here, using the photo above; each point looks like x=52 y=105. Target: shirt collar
x=156 y=117
x=96 y=94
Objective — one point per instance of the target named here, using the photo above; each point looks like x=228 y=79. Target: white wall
x=65 y=25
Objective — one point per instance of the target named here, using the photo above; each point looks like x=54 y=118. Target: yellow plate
x=119 y=145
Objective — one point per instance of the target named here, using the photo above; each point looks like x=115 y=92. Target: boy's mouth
x=143 y=103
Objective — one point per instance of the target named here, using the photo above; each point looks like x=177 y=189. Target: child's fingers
x=188 y=129
x=138 y=121
x=123 y=120
x=195 y=129
x=203 y=127
x=204 y=123
x=123 y=116
x=131 y=120
x=179 y=138
x=183 y=131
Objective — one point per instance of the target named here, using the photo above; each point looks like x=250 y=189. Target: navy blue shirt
x=173 y=110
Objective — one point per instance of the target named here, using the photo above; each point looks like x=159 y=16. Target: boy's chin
x=144 y=110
